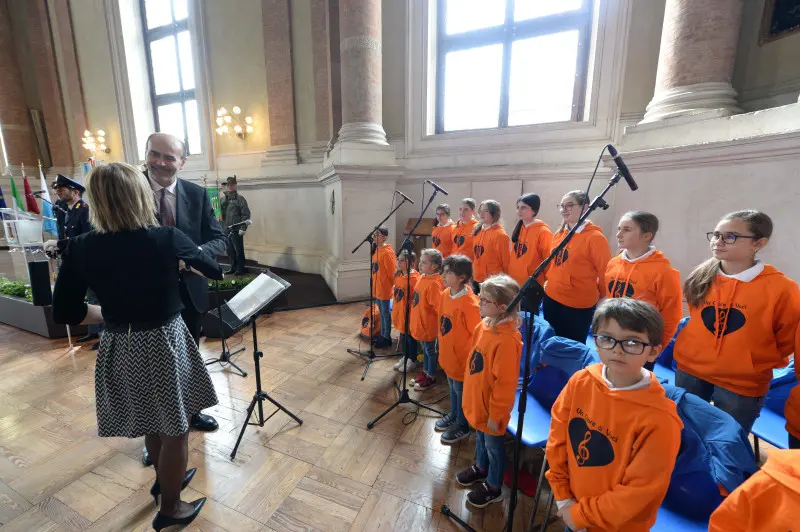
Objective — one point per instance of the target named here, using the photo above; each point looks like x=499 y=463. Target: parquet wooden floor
x=331 y=473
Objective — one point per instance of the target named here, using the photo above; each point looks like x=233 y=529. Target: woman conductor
x=149 y=377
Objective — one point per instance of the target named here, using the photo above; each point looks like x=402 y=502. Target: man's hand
x=51 y=246
x=241 y=232
x=493 y=427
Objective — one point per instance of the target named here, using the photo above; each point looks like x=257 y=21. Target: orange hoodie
x=462 y=238
x=650 y=278
x=458 y=318
x=769 y=500
x=425 y=307
x=384 y=265
x=491 y=375
x=399 y=305
x=492 y=251
x=532 y=247
x=442 y=237
x=576 y=278
x=792 y=408
x=759 y=316
x=612 y=451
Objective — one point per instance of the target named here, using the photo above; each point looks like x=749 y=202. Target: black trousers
x=236 y=251
x=568 y=322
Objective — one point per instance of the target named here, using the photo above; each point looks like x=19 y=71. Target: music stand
x=246 y=305
x=226 y=316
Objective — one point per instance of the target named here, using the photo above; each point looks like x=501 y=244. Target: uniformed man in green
x=234 y=211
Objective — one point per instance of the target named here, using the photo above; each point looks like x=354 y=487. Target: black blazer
x=195 y=217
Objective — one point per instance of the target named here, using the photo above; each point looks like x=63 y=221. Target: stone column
x=695 y=65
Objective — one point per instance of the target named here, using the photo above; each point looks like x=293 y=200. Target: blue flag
x=49 y=224
x=2 y=201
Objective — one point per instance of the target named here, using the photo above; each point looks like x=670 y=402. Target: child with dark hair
x=405 y=342
x=614 y=435
x=383 y=268
x=491 y=245
x=465 y=226
x=424 y=315
x=442 y=234
x=531 y=241
x=459 y=314
x=744 y=315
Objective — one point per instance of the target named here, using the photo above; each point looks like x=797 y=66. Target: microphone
x=246 y=222
x=37 y=193
x=437 y=187
x=404 y=197
x=622 y=168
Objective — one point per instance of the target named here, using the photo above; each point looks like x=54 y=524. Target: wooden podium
x=422 y=234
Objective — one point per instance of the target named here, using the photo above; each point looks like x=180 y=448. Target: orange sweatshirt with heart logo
x=442 y=238
x=384 y=265
x=425 y=301
x=576 y=277
x=533 y=245
x=792 y=408
x=769 y=500
x=612 y=451
x=743 y=330
x=492 y=251
x=462 y=238
x=491 y=375
x=649 y=278
x=458 y=317
x=399 y=304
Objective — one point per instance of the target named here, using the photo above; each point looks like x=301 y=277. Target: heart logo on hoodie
x=475 y=362
x=445 y=325
x=590 y=447
x=562 y=256
x=459 y=241
x=620 y=289
x=374 y=267
x=520 y=248
x=736 y=320
x=415 y=298
x=398 y=294
x=437 y=241
x=364 y=322
x=479 y=250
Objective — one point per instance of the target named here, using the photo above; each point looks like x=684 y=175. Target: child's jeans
x=408 y=346
x=386 y=318
x=490 y=453
x=456 y=393
x=431 y=362
x=742 y=408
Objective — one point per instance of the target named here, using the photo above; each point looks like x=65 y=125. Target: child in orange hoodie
x=442 y=235
x=614 y=435
x=744 y=315
x=401 y=287
x=383 y=268
x=642 y=272
x=490 y=385
x=769 y=500
x=465 y=226
x=576 y=278
x=491 y=245
x=425 y=315
x=531 y=242
x=791 y=410
x=459 y=314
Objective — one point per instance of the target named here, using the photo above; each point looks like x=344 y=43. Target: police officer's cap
x=231 y=180
x=64 y=181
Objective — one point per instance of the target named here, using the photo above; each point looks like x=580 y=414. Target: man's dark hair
x=630 y=314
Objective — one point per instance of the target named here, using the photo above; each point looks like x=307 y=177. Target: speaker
x=211 y=324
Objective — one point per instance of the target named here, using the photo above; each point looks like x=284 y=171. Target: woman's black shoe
x=163 y=521
x=155 y=491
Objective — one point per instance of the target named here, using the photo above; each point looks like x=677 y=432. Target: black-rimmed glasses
x=631 y=347
x=728 y=238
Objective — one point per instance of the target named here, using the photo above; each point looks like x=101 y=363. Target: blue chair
x=541 y=332
x=771 y=424
x=665 y=365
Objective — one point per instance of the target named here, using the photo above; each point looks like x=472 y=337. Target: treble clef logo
x=583 y=453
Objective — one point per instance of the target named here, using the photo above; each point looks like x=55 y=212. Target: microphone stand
x=403 y=397
x=369 y=354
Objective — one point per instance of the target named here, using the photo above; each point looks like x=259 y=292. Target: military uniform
x=76 y=220
x=235 y=210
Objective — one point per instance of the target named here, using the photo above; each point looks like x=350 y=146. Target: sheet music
x=257 y=294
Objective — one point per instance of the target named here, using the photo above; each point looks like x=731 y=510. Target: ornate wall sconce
x=233 y=124
x=96 y=142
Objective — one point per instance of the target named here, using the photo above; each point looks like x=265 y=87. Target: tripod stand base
x=370 y=356
x=403 y=399
x=225 y=358
x=258 y=399
x=448 y=513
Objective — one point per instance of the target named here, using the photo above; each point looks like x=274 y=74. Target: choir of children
x=744 y=322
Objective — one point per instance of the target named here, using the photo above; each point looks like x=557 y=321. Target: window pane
x=472 y=88
x=187 y=67
x=165 y=65
x=467 y=15
x=181 y=9
x=543 y=79
x=193 y=127
x=528 y=9
x=158 y=13
x=170 y=120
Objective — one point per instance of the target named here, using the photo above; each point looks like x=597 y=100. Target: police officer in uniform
x=234 y=210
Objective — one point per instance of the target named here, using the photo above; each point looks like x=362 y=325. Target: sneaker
x=414 y=380
x=455 y=434
x=483 y=496
x=424 y=382
x=471 y=475
x=410 y=365
x=444 y=423
x=381 y=342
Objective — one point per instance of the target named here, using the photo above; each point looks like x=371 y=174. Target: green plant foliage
x=15 y=289
x=233 y=283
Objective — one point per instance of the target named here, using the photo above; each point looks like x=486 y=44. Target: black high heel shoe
x=155 y=491
x=163 y=521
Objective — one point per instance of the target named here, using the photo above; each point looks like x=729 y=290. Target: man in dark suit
x=186 y=206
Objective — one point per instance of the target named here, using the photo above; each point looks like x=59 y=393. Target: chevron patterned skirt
x=150 y=381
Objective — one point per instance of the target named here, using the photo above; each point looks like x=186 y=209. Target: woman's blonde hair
x=120 y=199
x=494 y=211
x=700 y=280
x=501 y=289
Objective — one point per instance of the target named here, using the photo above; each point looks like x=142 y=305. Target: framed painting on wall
x=781 y=18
